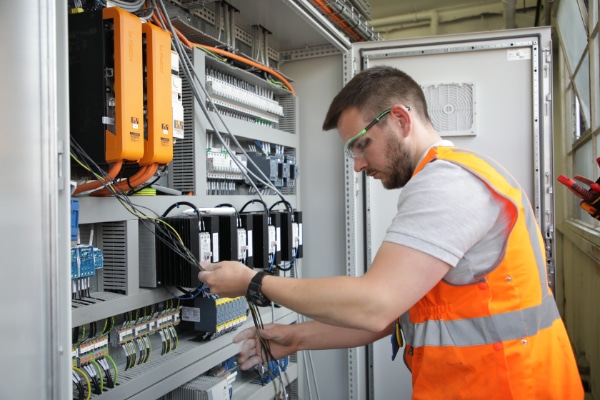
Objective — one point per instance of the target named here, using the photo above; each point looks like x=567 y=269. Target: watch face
x=258 y=298
x=254 y=294
x=261 y=301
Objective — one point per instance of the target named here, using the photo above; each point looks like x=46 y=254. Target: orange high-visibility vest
x=502 y=336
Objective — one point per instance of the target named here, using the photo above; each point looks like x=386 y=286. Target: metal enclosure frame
x=360 y=202
x=35 y=200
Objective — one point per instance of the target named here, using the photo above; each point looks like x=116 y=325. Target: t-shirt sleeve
x=444 y=211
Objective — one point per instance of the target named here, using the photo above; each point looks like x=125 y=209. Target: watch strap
x=254 y=293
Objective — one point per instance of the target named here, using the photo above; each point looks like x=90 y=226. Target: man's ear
x=403 y=117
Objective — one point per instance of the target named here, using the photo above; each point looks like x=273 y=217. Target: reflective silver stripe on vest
x=485 y=330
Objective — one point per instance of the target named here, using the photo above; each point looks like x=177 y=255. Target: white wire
x=190 y=74
x=130 y=6
x=193 y=79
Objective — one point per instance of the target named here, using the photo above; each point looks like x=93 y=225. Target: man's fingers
x=245 y=334
x=249 y=347
x=250 y=362
x=209 y=266
x=269 y=332
x=249 y=355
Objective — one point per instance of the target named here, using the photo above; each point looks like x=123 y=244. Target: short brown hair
x=374 y=90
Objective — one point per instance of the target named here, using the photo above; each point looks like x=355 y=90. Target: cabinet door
x=488 y=92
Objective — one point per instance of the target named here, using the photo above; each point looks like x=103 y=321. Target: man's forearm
x=333 y=301
x=314 y=335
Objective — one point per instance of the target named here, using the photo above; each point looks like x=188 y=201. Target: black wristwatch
x=254 y=294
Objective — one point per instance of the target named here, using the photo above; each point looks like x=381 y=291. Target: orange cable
x=137 y=179
x=340 y=22
x=111 y=174
x=249 y=62
x=245 y=60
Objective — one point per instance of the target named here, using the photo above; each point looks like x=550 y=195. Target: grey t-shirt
x=447 y=212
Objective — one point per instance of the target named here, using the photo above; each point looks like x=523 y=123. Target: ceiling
x=405 y=18
x=386 y=8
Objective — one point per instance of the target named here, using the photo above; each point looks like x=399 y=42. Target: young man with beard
x=461 y=269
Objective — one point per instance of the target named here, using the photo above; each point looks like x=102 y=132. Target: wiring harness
x=94 y=370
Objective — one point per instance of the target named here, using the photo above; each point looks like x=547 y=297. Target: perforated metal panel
x=290 y=110
x=113 y=241
x=451 y=107
x=182 y=169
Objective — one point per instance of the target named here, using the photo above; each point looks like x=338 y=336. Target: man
x=462 y=264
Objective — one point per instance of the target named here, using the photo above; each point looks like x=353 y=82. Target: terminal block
x=215 y=316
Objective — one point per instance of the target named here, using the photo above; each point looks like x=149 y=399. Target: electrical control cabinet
x=236 y=141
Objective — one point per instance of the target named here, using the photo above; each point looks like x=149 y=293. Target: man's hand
x=281 y=341
x=226 y=278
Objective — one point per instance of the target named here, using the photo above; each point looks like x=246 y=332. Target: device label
x=242 y=249
x=134 y=136
x=278 y=239
x=190 y=314
x=215 y=243
x=250 y=243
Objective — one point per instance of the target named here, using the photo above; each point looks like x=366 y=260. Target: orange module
x=124 y=140
x=158 y=132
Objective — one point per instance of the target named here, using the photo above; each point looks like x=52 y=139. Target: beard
x=399 y=165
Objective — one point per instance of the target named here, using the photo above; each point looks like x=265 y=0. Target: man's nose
x=360 y=164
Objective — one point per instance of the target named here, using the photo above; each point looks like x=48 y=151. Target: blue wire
x=272 y=263
x=190 y=297
x=291 y=263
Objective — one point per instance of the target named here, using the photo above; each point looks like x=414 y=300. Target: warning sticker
x=519 y=54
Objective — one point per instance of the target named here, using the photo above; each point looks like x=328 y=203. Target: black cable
x=89 y=368
x=133 y=353
x=163 y=343
x=93 y=329
x=125 y=348
x=142 y=350
x=265 y=346
x=287 y=204
x=74 y=335
x=255 y=201
x=109 y=379
x=176 y=205
x=289 y=267
x=80 y=389
x=147 y=184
